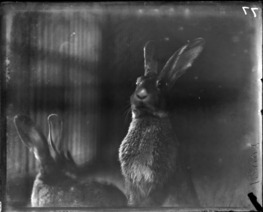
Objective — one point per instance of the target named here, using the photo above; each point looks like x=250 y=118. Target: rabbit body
x=142 y=155
x=151 y=159
x=153 y=167
x=71 y=193
x=58 y=182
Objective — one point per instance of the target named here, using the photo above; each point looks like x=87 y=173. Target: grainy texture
x=67 y=193
x=148 y=156
x=87 y=77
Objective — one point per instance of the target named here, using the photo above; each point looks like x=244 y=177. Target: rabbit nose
x=142 y=94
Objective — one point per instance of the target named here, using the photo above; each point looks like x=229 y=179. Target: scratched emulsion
x=82 y=60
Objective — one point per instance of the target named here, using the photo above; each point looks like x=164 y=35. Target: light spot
x=222 y=12
x=7 y=61
x=187 y=12
x=140 y=11
x=235 y=39
x=171 y=10
x=220 y=160
x=160 y=114
x=196 y=77
x=248 y=145
x=181 y=28
x=188 y=65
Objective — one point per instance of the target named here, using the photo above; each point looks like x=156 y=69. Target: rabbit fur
x=151 y=161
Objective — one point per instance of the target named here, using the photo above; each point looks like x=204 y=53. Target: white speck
x=248 y=145
x=167 y=39
x=235 y=39
x=199 y=97
x=171 y=10
x=181 y=28
x=187 y=12
x=188 y=65
x=220 y=160
x=245 y=51
x=219 y=86
x=140 y=11
x=222 y=12
x=196 y=77
x=7 y=61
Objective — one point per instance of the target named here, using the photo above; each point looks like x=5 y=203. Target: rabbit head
x=50 y=152
x=152 y=89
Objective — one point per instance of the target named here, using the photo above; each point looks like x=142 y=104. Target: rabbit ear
x=150 y=64
x=181 y=60
x=33 y=138
x=55 y=126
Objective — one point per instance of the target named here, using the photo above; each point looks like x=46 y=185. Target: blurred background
x=81 y=61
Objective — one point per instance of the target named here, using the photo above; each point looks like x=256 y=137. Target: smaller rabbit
x=150 y=155
x=57 y=182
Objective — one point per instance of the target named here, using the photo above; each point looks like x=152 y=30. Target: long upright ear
x=55 y=126
x=181 y=60
x=150 y=63
x=33 y=138
x=57 y=146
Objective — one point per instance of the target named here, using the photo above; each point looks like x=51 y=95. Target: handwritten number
x=253 y=10
x=244 y=9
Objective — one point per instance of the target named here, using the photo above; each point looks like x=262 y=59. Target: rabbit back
x=70 y=193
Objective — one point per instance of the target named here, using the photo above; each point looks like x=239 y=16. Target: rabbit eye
x=160 y=84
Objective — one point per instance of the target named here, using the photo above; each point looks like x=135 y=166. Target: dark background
x=82 y=60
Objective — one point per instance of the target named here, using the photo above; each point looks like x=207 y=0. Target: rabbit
x=57 y=183
x=151 y=161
